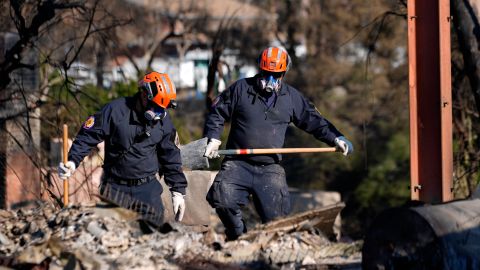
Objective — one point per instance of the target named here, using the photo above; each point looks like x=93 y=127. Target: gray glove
x=211 y=151
x=66 y=170
x=343 y=144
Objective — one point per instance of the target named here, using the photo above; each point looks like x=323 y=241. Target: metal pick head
x=192 y=155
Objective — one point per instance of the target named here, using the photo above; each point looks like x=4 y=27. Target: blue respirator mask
x=270 y=83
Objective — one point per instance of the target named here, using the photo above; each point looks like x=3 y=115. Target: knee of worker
x=218 y=199
x=231 y=219
x=273 y=198
x=286 y=203
x=226 y=195
x=272 y=207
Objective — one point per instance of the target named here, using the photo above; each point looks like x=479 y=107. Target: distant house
x=187 y=66
x=184 y=55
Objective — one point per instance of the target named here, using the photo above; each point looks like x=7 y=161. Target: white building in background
x=188 y=74
x=188 y=69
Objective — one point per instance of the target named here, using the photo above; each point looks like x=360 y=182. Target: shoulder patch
x=89 y=122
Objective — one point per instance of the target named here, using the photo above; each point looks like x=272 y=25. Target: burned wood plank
x=321 y=218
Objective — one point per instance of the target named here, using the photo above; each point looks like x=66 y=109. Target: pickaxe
x=192 y=153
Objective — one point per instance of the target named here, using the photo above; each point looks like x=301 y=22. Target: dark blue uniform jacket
x=258 y=122
x=129 y=152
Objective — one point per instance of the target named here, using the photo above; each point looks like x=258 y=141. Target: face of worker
x=270 y=81
x=152 y=111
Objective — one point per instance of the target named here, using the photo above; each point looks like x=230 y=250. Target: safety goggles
x=150 y=89
x=275 y=75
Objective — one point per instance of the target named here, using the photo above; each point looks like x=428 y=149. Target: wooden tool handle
x=65 y=160
x=276 y=151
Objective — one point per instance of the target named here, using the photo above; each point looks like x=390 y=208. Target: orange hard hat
x=274 y=59
x=159 y=88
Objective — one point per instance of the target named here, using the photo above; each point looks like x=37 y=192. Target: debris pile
x=99 y=236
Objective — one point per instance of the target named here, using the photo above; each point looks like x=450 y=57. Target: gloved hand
x=344 y=145
x=66 y=170
x=178 y=205
x=211 y=151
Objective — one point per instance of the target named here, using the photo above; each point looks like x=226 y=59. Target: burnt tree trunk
x=445 y=236
x=467 y=28
x=3 y=165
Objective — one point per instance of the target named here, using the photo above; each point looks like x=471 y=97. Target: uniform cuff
x=181 y=190
x=212 y=136
x=75 y=160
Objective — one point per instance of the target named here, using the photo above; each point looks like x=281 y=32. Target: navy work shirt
x=130 y=153
x=261 y=122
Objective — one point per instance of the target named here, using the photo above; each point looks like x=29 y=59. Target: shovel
x=192 y=153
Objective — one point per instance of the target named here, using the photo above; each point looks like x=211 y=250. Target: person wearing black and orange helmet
x=139 y=141
x=259 y=110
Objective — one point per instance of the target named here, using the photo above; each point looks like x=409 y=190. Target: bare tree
x=466 y=95
x=40 y=38
x=155 y=26
x=217 y=47
x=29 y=19
x=467 y=28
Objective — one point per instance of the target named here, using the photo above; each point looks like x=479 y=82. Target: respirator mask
x=270 y=81
x=154 y=112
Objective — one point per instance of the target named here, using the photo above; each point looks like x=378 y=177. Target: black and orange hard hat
x=274 y=59
x=159 y=88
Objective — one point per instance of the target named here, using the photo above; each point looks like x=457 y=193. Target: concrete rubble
x=98 y=236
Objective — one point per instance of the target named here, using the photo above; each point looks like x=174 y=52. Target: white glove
x=66 y=170
x=344 y=145
x=178 y=202
x=211 y=151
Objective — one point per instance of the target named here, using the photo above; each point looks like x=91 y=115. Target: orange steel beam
x=431 y=155
x=446 y=99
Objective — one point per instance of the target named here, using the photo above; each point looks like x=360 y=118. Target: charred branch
x=45 y=11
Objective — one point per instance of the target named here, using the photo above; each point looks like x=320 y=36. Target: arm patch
x=89 y=123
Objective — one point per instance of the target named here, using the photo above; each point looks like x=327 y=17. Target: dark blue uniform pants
x=233 y=185
x=144 y=199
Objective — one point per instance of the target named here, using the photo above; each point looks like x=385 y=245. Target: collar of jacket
x=134 y=115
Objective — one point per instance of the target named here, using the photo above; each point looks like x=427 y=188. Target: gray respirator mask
x=154 y=113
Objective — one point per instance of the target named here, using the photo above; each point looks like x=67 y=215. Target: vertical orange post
x=444 y=21
x=431 y=163
x=65 y=159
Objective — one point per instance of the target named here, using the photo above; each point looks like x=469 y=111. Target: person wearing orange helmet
x=139 y=141
x=259 y=110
